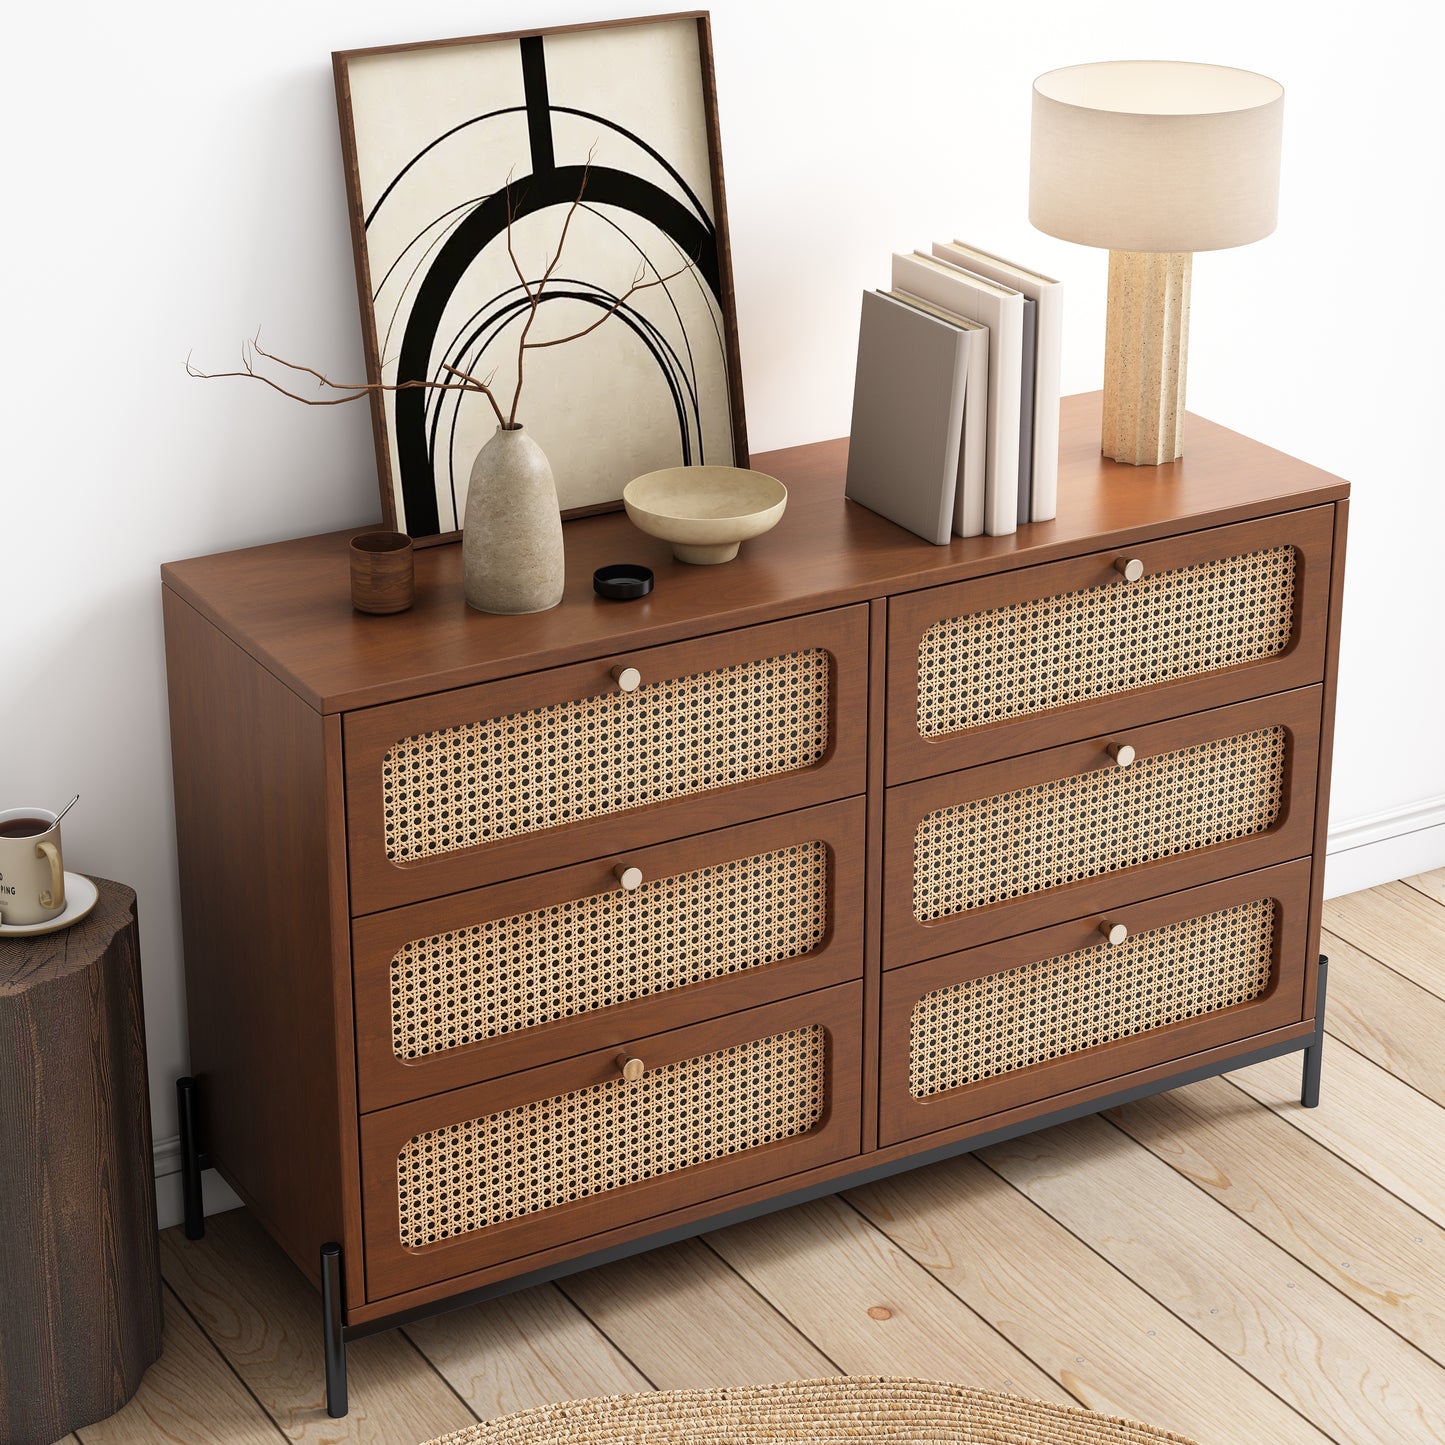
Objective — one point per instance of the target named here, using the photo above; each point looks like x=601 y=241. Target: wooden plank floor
x=1216 y=1261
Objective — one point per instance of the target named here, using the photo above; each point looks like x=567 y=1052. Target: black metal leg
x=1314 y=1054
x=333 y=1310
x=192 y=1201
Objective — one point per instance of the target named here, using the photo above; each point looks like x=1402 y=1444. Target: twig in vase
x=464 y=381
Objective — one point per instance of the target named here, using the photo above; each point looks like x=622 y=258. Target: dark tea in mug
x=24 y=827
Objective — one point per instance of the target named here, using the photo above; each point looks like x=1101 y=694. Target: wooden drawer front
x=982 y=670
x=561 y=1152
x=487 y=982
x=467 y=787
x=1033 y=1017
x=971 y=853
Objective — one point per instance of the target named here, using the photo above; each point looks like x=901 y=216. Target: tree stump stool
x=80 y=1306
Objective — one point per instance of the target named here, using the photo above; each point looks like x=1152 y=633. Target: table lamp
x=1154 y=160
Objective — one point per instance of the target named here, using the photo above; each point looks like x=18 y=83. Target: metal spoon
x=66 y=809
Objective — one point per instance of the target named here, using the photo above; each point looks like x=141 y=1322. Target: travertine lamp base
x=1146 y=343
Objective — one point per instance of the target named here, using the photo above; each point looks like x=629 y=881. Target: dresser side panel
x=250 y=763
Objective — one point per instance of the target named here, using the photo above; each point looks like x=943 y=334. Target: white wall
x=174 y=181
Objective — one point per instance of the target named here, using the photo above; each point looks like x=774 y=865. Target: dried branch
x=464 y=381
x=638 y=284
x=536 y=297
x=354 y=390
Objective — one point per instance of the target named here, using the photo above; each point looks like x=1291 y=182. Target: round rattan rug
x=845 y=1411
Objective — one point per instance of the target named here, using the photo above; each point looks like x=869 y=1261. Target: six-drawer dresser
x=514 y=944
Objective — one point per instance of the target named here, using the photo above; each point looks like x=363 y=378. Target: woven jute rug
x=844 y=1411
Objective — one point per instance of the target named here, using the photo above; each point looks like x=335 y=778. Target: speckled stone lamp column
x=1153 y=160
x=1146 y=349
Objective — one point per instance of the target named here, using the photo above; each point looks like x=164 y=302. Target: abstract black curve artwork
x=443 y=143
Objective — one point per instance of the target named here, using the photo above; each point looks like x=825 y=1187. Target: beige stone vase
x=512 y=535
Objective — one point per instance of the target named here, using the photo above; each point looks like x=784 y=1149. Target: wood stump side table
x=80 y=1306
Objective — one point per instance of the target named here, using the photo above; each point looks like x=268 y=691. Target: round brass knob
x=629 y=878
x=632 y=1069
x=1121 y=753
x=628 y=678
x=1131 y=567
x=1114 y=932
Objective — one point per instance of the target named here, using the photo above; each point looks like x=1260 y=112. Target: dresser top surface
x=288 y=603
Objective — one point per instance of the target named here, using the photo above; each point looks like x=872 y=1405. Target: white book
x=968 y=499
x=908 y=400
x=1001 y=309
x=1048 y=296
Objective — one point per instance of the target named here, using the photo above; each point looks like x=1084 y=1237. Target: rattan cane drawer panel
x=566 y=764
x=491 y=1172
x=1000 y=848
x=501 y=978
x=1033 y=1016
x=990 y=850
x=984 y=669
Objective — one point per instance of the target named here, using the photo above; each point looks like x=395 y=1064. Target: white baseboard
x=218 y=1195
x=1377 y=849
x=1385 y=846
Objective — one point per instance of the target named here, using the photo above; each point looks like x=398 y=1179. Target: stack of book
x=956 y=398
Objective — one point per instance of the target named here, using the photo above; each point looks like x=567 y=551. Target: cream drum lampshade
x=1153 y=160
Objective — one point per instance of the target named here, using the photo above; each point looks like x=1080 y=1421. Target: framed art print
x=465 y=160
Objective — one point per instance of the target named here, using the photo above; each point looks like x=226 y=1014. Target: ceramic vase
x=512 y=534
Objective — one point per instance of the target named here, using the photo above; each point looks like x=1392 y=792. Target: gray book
x=1026 y=412
x=908 y=403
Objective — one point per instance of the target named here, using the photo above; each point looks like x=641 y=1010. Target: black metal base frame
x=337 y=1334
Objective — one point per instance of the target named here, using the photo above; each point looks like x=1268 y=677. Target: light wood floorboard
x=1431 y=884
x=1218 y=1261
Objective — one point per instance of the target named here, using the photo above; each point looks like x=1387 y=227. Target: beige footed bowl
x=705 y=512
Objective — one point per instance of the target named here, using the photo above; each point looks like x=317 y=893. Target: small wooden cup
x=382 y=576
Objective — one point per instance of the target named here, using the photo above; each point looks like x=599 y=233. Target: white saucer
x=81 y=895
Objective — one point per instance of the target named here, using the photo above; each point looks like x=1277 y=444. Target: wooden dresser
x=516 y=943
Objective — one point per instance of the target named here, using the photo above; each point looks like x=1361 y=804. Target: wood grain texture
x=250 y=763
x=871 y=1308
x=266 y=1321
x=80 y=1306
x=663 y=1308
x=1296 y=1334
x=1377 y=1251
x=189 y=1397
x=524 y=1350
x=1398 y=925
x=1374 y=1121
x=1114 y=1348
x=1386 y=1017
x=1432 y=884
x=1327 y=739
x=289 y=603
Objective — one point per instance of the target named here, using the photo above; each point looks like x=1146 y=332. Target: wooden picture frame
x=459 y=152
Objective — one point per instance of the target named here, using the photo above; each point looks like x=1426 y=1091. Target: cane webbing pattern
x=1050 y=652
x=983 y=852
x=589 y=953
x=479 y=782
x=536 y=1156
x=1005 y=1021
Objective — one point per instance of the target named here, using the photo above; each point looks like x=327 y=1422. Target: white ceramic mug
x=32 y=872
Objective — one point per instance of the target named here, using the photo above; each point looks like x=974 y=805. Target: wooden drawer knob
x=629 y=878
x=1114 y=932
x=1131 y=567
x=628 y=678
x=1121 y=753
x=632 y=1069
